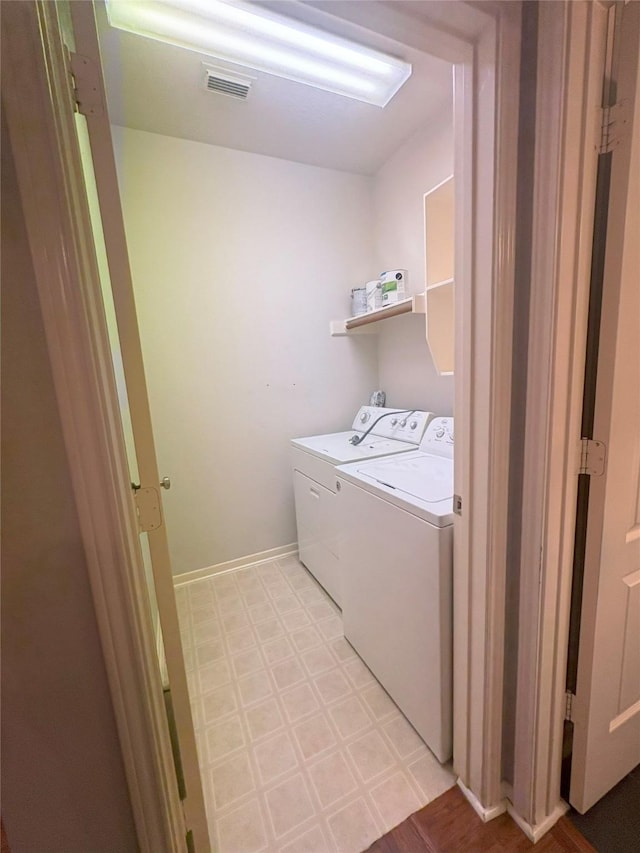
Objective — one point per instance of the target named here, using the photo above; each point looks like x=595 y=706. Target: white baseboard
x=486 y=814
x=535 y=833
x=234 y=565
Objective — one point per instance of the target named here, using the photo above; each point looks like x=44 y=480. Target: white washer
x=396 y=552
x=314 y=460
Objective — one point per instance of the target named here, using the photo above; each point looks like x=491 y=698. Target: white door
x=606 y=711
x=98 y=168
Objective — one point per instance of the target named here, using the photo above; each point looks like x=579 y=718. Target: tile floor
x=300 y=748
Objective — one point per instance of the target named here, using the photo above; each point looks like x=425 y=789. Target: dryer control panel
x=392 y=423
x=438 y=438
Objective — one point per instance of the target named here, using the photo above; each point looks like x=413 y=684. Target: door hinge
x=614 y=126
x=592 y=457
x=188 y=833
x=191 y=847
x=87 y=88
x=147 y=502
x=457 y=504
x=568 y=705
x=175 y=749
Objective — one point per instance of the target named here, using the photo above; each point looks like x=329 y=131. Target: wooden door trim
x=569 y=80
x=37 y=97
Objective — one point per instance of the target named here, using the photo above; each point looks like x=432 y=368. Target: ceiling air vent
x=227 y=82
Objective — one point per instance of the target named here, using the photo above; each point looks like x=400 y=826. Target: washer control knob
x=403 y=422
x=413 y=424
x=364 y=417
x=394 y=421
x=338 y=486
x=439 y=432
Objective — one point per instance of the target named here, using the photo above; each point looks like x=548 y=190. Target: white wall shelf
x=368 y=323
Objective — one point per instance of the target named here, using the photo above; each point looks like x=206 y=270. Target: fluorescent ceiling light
x=245 y=34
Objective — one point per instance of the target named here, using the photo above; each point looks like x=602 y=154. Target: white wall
x=63 y=784
x=406 y=370
x=239 y=262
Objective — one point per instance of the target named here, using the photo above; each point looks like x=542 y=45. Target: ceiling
x=159 y=88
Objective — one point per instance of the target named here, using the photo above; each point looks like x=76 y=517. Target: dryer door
x=317 y=540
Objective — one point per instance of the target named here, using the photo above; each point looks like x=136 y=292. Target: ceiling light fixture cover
x=247 y=35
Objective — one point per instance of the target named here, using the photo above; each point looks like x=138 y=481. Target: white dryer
x=396 y=553
x=375 y=432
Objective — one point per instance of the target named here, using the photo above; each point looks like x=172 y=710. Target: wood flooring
x=450 y=825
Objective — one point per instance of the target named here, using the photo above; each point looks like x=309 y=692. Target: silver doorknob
x=165 y=482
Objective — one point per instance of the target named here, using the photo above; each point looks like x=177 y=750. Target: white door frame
x=60 y=238
x=571 y=42
x=486 y=99
x=487 y=76
x=484 y=331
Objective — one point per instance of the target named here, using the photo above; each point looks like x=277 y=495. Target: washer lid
x=422 y=476
x=336 y=447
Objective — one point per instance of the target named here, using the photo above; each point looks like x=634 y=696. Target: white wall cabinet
x=439 y=274
x=438 y=300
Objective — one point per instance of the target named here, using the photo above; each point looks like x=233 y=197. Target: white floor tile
x=298 y=702
x=242 y=830
x=332 y=779
x=349 y=716
x=275 y=757
x=332 y=685
x=288 y=673
x=371 y=755
x=311 y=841
x=289 y=805
x=264 y=719
x=318 y=660
x=231 y=780
x=254 y=687
x=218 y=704
x=247 y=662
x=314 y=736
x=224 y=738
x=392 y=798
x=353 y=827
x=240 y=641
x=301 y=749
x=277 y=650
